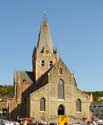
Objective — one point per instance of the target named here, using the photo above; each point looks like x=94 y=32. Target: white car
x=6 y=122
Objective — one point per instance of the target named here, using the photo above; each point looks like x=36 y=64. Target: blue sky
x=77 y=31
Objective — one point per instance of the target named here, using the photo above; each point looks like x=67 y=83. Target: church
x=50 y=89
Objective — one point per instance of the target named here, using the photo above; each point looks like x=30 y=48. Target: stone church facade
x=50 y=89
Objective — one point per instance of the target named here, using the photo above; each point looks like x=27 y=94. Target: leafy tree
x=6 y=90
x=96 y=95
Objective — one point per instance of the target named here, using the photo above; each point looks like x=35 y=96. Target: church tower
x=44 y=55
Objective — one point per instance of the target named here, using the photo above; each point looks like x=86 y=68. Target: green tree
x=6 y=90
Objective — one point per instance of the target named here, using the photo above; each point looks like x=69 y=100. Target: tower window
x=24 y=80
x=51 y=63
x=42 y=63
x=47 y=51
x=42 y=51
x=44 y=25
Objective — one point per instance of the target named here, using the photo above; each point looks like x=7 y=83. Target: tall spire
x=44 y=55
x=44 y=39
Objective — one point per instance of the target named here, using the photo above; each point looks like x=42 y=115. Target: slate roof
x=24 y=75
x=40 y=83
x=44 y=39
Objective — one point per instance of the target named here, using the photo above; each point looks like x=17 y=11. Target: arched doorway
x=61 y=110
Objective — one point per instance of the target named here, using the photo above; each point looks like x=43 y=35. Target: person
x=93 y=121
x=88 y=122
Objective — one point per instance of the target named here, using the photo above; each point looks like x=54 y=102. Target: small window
x=24 y=80
x=60 y=71
x=47 y=51
x=78 y=105
x=42 y=104
x=54 y=51
x=42 y=63
x=51 y=63
x=42 y=51
x=44 y=25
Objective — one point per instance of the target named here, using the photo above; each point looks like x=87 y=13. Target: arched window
x=78 y=105
x=42 y=104
x=60 y=89
x=42 y=63
x=51 y=63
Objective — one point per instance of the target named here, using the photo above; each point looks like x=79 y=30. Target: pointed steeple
x=44 y=40
x=44 y=55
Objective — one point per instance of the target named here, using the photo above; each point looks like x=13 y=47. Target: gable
x=23 y=76
x=60 y=70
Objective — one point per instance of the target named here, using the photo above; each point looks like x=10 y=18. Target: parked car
x=6 y=122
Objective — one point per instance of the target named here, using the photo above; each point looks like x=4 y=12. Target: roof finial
x=44 y=15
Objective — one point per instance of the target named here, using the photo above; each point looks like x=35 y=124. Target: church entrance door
x=61 y=110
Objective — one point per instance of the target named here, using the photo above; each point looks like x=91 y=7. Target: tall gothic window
x=42 y=104
x=78 y=105
x=60 y=89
